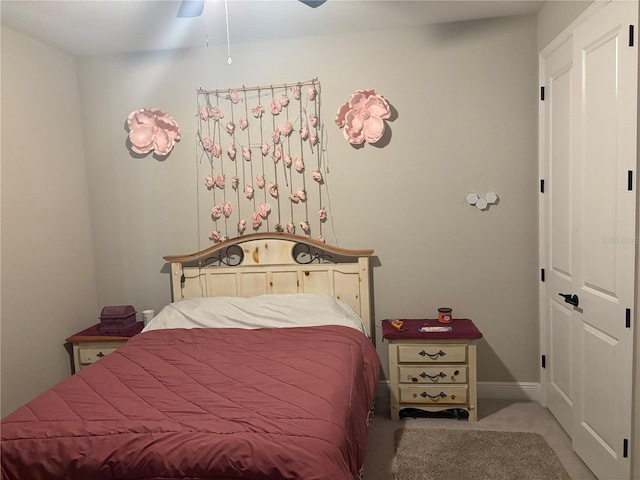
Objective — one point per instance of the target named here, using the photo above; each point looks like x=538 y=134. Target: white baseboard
x=527 y=391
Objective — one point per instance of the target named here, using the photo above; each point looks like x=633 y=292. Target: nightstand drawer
x=449 y=394
x=90 y=355
x=438 y=374
x=432 y=353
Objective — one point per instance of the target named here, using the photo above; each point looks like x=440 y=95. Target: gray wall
x=555 y=16
x=466 y=122
x=465 y=96
x=48 y=288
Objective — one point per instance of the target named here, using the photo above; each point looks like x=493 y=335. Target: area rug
x=441 y=454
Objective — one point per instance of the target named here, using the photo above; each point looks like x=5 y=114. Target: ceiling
x=95 y=27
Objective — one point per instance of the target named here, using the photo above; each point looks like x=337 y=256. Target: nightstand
x=90 y=345
x=433 y=371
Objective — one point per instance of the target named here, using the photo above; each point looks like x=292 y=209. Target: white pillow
x=264 y=311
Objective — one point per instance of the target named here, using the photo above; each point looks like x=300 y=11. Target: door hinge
x=542 y=93
x=628 y=318
x=542 y=274
x=625 y=448
x=542 y=185
x=631 y=28
x=630 y=180
x=543 y=362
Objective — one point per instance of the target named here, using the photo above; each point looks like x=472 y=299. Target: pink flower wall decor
x=362 y=117
x=151 y=129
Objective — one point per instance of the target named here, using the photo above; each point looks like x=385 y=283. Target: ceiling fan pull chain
x=226 y=14
x=206 y=24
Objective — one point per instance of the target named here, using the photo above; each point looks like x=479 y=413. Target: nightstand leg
x=394 y=390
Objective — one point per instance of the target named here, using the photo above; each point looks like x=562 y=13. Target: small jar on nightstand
x=90 y=345
x=432 y=367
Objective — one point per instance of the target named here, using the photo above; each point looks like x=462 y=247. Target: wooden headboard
x=265 y=263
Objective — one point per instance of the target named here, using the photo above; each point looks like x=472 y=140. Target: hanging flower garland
x=277 y=130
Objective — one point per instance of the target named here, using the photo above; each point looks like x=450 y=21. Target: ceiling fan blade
x=190 y=8
x=313 y=3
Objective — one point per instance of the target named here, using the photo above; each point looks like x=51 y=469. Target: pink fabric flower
x=294 y=198
x=313 y=137
x=203 y=112
x=257 y=220
x=227 y=209
x=207 y=144
x=287 y=128
x=295 y=90
x=320 y=238
x=273 y=189
x=287 y=160
x=362 y=117
x=215 y=236
x=242 y=226
x=304 y=132
x=260 y=181
x=311 y=92
x=208 y=181
x=313 y=120
x=277 y=154
x=276 y=135
x=152 y=129
x=230 y=128
x=291 y=228
x=322 y=213
x=265 y=147
x=304 y=225
x=264 y=209
x=231 y=151
x=317 y=176
x=235 y=182
x=246 y=153
x=215 y=113
x=216 y=212
x=248 y=191
x=276 y=108
x=299 y=163
x=258 y=111
x=284 y=100
x=243 y=123
x=220 y=180
x=234 y=96
x=216 y=150
x=302 y=194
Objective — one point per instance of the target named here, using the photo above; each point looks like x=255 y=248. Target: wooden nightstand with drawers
x=435 y=370
x=90 y=345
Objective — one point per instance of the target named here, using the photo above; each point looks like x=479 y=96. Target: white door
x=604 y=127
x=557 y=172
x=588 y=161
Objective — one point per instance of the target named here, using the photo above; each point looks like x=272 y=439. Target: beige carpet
x=444 y=454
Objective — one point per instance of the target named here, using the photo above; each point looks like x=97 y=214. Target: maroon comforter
x=273 y=404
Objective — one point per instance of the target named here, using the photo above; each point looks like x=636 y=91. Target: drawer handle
x=433 y=397
x=433 y=377
x=432 y=355
x=100 y=355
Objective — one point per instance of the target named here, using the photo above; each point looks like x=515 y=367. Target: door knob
x=570 y=299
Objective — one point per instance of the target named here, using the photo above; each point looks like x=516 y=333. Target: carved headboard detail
x=266 y=263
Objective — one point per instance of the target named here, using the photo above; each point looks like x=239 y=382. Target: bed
x=262 y=367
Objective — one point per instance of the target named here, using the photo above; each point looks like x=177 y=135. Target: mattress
x=204 y=403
